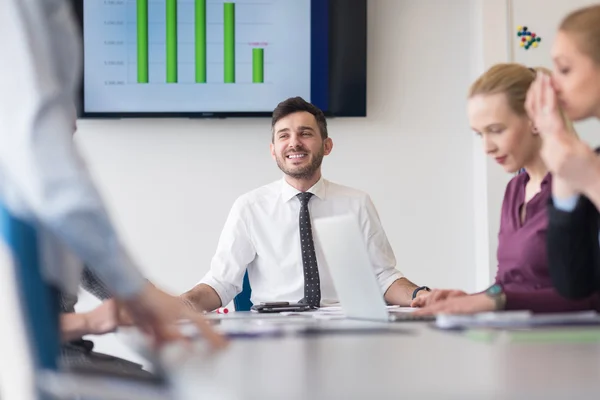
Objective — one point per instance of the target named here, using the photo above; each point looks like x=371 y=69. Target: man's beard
x=303 y=172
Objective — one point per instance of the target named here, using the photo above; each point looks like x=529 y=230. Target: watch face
x=494 y=290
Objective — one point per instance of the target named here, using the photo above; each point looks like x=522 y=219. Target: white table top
x=416 y=360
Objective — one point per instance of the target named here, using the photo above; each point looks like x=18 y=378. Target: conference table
x=293 y=358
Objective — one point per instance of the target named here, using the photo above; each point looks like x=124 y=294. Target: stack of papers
x=563 y=334
x=516 y=319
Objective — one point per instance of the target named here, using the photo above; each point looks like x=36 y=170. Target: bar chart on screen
x=183 y=38
x=197 y=52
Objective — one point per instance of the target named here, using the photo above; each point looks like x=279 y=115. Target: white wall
x=489 y=180
x=170 y=183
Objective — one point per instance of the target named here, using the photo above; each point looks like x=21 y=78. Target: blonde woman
x=496 y=110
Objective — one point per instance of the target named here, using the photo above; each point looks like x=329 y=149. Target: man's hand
x=425 y=299
x=460 y=305
x=156 y=313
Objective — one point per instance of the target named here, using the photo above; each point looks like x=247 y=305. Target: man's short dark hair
x=297 y=104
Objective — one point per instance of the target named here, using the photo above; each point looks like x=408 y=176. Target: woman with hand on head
x=496 y=110
x=573 y=250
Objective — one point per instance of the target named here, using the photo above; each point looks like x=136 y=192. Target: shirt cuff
x=388 y=277
x=567 y=205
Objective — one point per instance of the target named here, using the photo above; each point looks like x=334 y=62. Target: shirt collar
x=547 y=179
x=288 y=191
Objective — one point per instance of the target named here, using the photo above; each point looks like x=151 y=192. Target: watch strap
x=417 y=290
x=496 y=293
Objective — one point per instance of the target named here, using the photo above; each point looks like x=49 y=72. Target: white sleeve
x=235 y=251
x=567 y=205
x=379 y=248
x=39 y=71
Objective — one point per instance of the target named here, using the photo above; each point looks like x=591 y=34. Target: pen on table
x=221 y=310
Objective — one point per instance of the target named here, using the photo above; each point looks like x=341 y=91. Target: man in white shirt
x=266 y=231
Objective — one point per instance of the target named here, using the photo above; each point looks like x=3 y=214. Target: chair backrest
x=30 y=320
x=242 y=301
x=36 y=302
x=15 y=383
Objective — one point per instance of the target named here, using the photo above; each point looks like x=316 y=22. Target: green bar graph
x=142 y=41
x=229 y=42
x=171 y=41
x=200 y=41
x=258 y=65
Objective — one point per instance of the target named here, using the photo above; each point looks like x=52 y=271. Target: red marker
x=222 y=310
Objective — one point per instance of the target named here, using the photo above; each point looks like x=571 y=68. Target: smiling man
x=268 y=231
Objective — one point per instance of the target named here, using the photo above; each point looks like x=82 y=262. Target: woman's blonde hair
x=585 y=25
x=514 y=81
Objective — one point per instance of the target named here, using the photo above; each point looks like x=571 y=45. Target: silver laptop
x=355 y=282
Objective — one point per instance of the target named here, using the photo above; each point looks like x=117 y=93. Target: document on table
x=337 y=312
x=516 y=319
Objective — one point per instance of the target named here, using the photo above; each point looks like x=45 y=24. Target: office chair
x=34 y=313
x=242 y=300
x=30 y=316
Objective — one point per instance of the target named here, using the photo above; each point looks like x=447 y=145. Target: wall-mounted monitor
x=221 y=58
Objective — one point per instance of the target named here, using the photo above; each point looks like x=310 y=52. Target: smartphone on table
x=280 y=306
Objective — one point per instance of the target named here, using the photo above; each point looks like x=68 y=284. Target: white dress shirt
x=42 y=178
x=262 y=235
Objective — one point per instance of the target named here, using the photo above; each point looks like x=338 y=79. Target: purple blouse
x=522 y=259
